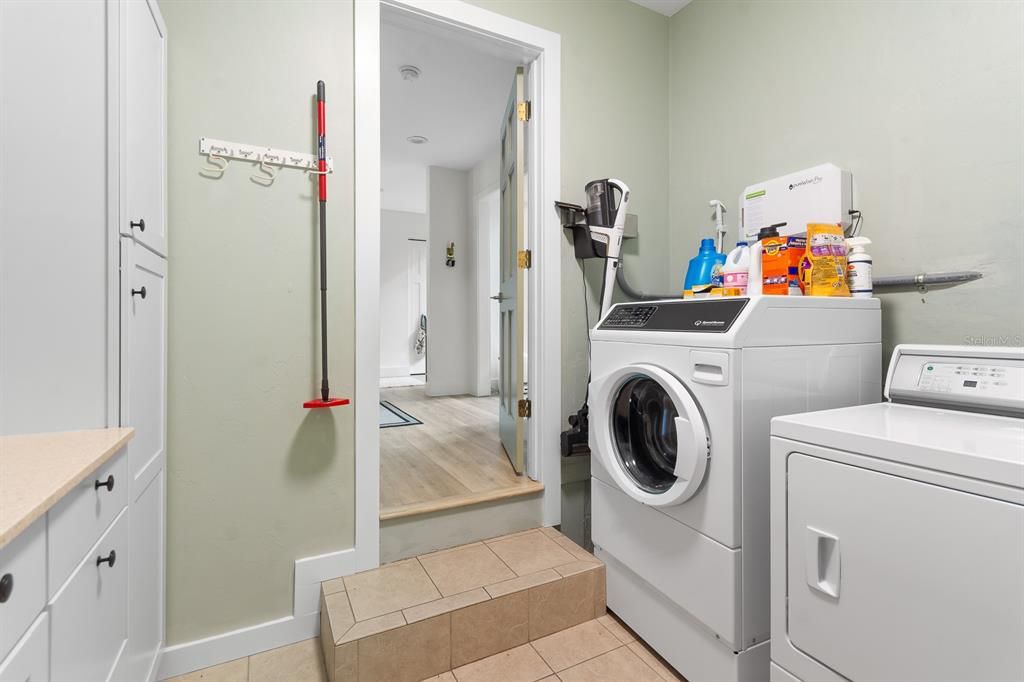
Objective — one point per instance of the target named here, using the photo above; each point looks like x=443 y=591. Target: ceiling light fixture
x=417 y=139
x=409 y=72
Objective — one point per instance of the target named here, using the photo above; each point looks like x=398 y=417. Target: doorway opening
x=539 y=51
x=453 y=303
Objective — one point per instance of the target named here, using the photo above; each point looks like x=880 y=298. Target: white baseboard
x=304 y=623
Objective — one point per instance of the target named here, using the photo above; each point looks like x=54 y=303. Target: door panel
x=145 y=124
x=925 y=579
x=511 y=299
x=143 y=349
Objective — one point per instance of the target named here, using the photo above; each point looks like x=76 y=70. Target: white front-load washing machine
x=680 y=403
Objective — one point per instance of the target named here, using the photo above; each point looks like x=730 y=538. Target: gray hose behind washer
x=924 y=279
x=636 y=294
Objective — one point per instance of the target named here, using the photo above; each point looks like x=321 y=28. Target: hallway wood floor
x=453 y=459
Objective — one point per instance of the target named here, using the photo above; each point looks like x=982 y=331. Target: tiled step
x=424 y=616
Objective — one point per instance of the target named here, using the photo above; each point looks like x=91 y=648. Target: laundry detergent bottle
x=736 y=270
x=702 y=269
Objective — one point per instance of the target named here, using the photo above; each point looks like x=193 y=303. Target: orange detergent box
x=774 y=266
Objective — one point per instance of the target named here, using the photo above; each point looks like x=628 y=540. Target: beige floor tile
x=300 y=662
x=232 y=671
x=523 y=583
x=575 y=567
x=489 y=627
x=617 y=665
x=443 y=677
x=577 y=644
x=530 y=552
x=521 y=664
x=326 y=641
x=407 y=654
x=559 y=605
x=332 y=586
x=551 y=532
x=616 y=628
x=390 y=588
x=339 y=614
x=601 y=593
x=446 y=605
x=572 y=548
x=465 y=568
x=372 y=626
x=655 y=663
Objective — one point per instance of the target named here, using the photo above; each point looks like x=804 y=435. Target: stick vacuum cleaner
x=325 y=390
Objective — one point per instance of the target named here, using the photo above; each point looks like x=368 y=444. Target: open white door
x=513 y=407
x=417 y=305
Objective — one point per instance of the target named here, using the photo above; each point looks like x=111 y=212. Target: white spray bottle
x=858 y=269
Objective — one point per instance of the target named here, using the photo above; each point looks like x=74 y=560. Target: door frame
x=544 y=237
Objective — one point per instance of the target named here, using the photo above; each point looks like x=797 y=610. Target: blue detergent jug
x=702 y=266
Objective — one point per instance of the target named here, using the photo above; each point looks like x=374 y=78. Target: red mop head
x=330 y=402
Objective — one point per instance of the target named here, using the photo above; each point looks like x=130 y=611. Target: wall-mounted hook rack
x=254 y=153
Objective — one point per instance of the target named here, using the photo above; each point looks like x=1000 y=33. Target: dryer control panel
x=965 y=378
x=706 y=315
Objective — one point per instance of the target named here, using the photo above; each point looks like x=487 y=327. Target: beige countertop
x=37 y=470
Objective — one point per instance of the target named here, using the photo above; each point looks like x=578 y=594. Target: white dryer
x=680 y=403
x=898 y=528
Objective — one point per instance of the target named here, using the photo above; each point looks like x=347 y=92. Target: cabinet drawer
x=30 y=659
x=78 y=520
x=23 y=572
x=89 y=615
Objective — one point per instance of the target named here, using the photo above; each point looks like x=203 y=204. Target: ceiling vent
x=417 y=139
x=409 y=72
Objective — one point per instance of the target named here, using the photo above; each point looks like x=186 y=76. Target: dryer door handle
x=822 y=561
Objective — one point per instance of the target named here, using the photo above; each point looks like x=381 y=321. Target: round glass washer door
x=652 y=436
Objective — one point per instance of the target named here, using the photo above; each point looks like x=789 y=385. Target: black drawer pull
x=108 y=484
x=139 y=292
x=109 y=559
x=140 y=223
x=6 y=587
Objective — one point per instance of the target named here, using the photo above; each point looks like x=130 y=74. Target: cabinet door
x=146 y=585
x=143 y=361
x=89 y=616
x=30 y=659
x=144 y=65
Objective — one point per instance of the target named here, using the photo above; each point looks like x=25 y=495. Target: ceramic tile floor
x=600 y=650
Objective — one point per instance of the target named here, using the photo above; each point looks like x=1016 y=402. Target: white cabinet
x=30 y=659
x=89 y=615
x=144 y=131
x=81 y=346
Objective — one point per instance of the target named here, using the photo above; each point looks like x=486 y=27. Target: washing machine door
x=650 y=434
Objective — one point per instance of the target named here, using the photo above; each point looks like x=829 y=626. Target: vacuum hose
x=925 y=279
x=636 y=294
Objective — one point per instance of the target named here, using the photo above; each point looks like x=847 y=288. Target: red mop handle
x=321 y=129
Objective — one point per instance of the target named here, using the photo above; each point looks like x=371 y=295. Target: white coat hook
x=270 y=173
x=214 y=171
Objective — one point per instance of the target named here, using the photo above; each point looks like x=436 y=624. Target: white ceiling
x=666 y=7
x=457 y=102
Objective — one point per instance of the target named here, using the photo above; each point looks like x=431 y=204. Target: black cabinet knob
x=139 y=292
x=140 y=223
x=108 y=484
x=6 y=587
x=109 y=559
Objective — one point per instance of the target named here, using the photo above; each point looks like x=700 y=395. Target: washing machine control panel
x=702 y=315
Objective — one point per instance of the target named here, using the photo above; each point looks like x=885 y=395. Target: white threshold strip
x=304 y=623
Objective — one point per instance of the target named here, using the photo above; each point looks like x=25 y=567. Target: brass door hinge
x=525 y=408
x=525 y=259
x=525 y=110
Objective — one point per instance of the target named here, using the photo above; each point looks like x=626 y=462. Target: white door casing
x=417 y=269
x=544 y=337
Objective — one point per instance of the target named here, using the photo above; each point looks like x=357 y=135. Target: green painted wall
x=921 y=100
x=254 y=480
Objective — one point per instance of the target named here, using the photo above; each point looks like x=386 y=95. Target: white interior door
x=512 y=404
x=417 y=303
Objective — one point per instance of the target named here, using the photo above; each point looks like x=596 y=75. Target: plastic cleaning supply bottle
x=736 y=270
x=774 y=262
x=702 y=269
x=858 y=269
